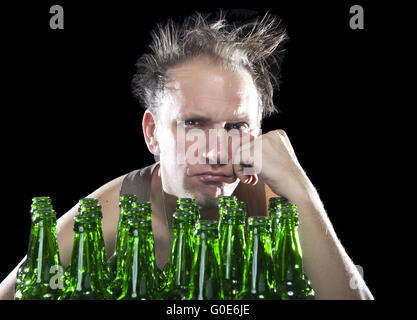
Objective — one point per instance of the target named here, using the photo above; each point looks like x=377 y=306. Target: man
x=203 y=78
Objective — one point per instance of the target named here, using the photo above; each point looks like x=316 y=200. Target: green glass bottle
x=189 y=205
x=290 y=280
x=241 y=204
x=85 y=279
x=181 y=201
x=206 y=274
x=225 y=202
x=232 y=251
x=180 y=260
x=43 y=272
x=145 y=211
x=146 y=206
x=140 y=280
x=24 y=272
x=91 y=208
x=129 y=211
x=274 y=209
x=127 y=201
x=258 y=278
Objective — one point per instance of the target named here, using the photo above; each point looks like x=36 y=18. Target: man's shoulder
x=110 y=191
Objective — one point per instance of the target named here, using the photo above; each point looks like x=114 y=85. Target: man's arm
x=326 y=262
x=108 y=198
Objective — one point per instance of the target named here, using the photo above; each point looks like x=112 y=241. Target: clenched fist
x=272 y=157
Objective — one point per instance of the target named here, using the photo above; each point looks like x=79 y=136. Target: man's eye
x=236 y=126
x=190 y=123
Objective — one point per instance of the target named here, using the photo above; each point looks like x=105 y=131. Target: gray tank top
x=138 y=182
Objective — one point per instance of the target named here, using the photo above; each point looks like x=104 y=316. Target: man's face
x=202 y=102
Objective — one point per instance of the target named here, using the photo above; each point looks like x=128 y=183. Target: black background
x=70 y=123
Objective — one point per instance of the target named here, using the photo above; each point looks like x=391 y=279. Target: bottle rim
x=260 y=221
x=206 y=225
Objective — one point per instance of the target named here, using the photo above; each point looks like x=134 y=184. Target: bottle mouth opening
x=185 y=201
x=225 y=200
x=125 y=198
x=44 y=199
x=140 y=223
x=258 y=219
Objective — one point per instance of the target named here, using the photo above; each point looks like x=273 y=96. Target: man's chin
x=206 y=200
x=207 y=195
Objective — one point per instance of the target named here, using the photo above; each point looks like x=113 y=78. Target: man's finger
x=240 y=171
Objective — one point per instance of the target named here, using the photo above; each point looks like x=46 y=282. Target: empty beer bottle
x=140 y=280
x=258 y=278
x=241 y=204
x=91 y=208
x=223 y=203
x=290 y=279
x=129 y=211
x=42 y=274
x=274 y=209
x=85 y=279
x=189 y=205
x=127 y=201
x=146 y=207
x=180 y=260
x=24 y=272
x=181 y=201
x=40 y=203
x=232 y=251
x=206 y=275
x=145 y=211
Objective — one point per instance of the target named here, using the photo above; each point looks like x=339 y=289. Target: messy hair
x=255 y=46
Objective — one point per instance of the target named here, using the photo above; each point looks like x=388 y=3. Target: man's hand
x=326 y=263
x=272 y=157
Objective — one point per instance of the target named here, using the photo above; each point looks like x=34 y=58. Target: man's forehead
x=213 y=96
x=201 y=89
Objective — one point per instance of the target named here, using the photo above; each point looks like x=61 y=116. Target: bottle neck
x=258 y=273
x=288 y=255
x=232 y=256
x=128 y=211
x=181 y=255
x=43 y=250
x=86 y=274
x=206 y=271
x=122 y=232
x=232 y=234
x=140 y=278
x=141 y=242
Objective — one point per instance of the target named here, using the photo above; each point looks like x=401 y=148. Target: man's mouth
x=211 y=176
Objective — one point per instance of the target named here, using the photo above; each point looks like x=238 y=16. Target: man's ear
x=149 y=132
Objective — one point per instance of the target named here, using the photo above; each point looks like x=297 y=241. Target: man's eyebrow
x=199 y=117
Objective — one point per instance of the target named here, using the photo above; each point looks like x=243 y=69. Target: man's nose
x=218 y=149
